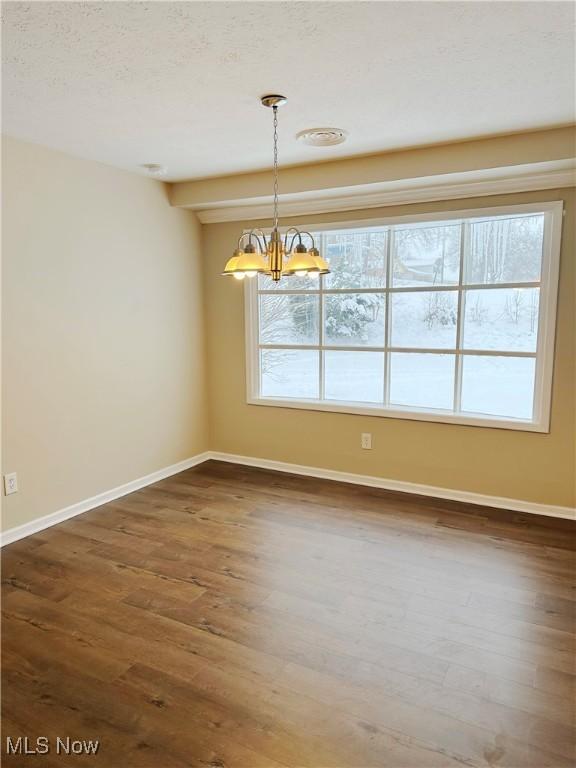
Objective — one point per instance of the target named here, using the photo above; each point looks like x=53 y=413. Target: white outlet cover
x=10 y=483
x=366 y=440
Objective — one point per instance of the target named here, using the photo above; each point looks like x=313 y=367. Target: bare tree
x=478 y=311
x=513 y=306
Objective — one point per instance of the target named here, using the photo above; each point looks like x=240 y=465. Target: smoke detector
x=322 y=137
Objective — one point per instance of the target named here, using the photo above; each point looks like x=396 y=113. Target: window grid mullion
x=321 y=361
x=402 y=289
x=459 y=361
x=388 y=308
x=255 y=314
x=407 y=350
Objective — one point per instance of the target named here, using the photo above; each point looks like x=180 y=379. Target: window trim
x=543 y=378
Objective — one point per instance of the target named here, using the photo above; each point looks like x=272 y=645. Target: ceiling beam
x=509 y=162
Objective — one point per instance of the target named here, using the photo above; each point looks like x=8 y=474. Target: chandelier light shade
x=278 y=255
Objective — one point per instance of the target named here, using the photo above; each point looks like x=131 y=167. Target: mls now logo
x=24 y=745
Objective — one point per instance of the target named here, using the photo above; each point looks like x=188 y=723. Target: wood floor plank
x=231 y=617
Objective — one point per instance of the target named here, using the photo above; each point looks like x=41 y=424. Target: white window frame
x=548 y=284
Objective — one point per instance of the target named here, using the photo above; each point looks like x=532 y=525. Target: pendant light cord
x=275 y=110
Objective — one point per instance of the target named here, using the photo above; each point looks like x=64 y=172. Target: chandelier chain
x=275 y=111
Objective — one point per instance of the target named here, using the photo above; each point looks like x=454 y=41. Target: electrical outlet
x=10 y=483
x=366 y=441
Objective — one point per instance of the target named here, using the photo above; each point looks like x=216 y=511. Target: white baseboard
x=501 y=502
x=21 y=531
x=517 y=505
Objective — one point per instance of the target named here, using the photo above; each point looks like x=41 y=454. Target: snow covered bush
x=439 y=310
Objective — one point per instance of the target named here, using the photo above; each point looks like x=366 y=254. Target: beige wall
x=113 y=323
x=103 y=375
x=520 y=465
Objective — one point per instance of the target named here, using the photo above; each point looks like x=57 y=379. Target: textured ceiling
x=178 y=83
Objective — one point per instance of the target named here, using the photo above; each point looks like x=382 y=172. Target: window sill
x=412 y=414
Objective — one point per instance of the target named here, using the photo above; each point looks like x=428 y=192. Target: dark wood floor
x=240 y=618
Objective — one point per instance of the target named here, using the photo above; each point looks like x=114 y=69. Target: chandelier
x=278 y=255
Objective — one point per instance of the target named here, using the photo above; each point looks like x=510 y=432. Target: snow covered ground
x=499 y=386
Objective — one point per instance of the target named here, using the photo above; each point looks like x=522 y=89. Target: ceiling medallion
x=278 y=255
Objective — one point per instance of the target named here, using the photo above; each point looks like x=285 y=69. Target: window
x=444 y=317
